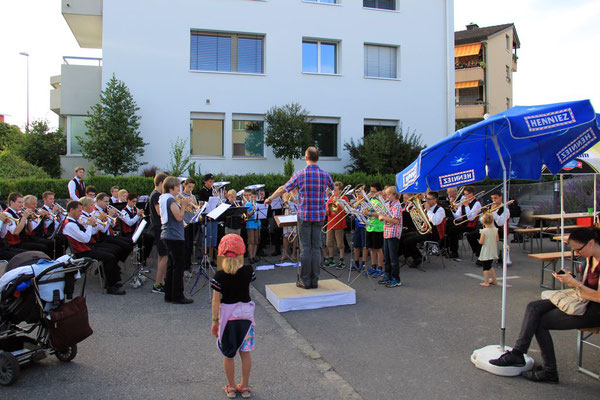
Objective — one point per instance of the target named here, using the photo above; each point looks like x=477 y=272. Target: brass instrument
x=457 y=201
x=293 y=234
x=418 y=214
x=381 y=208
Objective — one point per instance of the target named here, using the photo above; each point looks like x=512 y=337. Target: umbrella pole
x=504 y=248
x=562 y=225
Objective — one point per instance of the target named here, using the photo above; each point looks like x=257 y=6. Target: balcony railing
x=73 y=60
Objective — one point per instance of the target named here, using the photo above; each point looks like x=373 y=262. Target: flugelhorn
x=418 y=214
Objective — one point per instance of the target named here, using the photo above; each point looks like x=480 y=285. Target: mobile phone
x=562 y=272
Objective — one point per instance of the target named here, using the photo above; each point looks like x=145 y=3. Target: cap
x=232 y=246
x=208 y=177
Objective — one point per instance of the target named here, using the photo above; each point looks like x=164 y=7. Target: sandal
x=300 y=284
x=245 y=391
x=230 y=392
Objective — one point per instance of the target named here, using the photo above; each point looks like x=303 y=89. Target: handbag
x=69 y=324
x=568 y=301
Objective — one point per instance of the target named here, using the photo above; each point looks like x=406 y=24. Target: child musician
x=130 y=216
x=289 y=232
x=336 y=225
x=171 y=216
x=252 y=226
x=392 y=231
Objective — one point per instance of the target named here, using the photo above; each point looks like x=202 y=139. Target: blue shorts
x=211 y=233
x=359 y=240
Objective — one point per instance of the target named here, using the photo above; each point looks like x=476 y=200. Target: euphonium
x=418 y=215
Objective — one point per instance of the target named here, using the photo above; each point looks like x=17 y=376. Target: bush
x=10 y=136
x=12 y=166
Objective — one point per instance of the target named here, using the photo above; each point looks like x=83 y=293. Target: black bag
x=69 y=324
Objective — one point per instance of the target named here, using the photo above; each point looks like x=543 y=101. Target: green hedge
x=143 y=185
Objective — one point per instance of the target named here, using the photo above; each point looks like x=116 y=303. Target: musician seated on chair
x=80 y=236
x=436 y=215
x=130 y=216
x=122 y=195
x=34 y=231
x=466 y=218
x=90 y=192
x=19 y=219
x=114 y=195
x=542 y=316
x=6 y=253
x=501 y=216
x=106 y=234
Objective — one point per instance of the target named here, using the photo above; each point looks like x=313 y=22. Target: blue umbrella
x=514 y=144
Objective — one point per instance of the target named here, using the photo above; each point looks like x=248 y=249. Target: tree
x=180 y=162
x=10 y=135
x=383 y=151
x=113 y=142
x=288 y=132
x=42 y=147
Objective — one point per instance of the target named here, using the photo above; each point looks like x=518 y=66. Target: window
x=507 y=73
x=380 y=61
x=373 y=125
x=76 y=127
x=325 y=138
x=248 y=138
x=508 y=46
x=226 y=52
x=507 y=103
x=206 y=137
x=380 y=4
x=319 y=57
x=323 y=1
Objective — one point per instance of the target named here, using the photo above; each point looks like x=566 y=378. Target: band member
x=392 y=232
x=171 y=216
x=19 y=218
x=122 y=195
x=359 y=239
x=6 y=253
x=437 y=217
x=467 y=211
x=34 y=230
x=204 y=195
x=375 y=233
x=161 y=246
x=188 y=188
x=407 y=223
x=252 y=227
x=76 y=185
x=501 y=218
x=79 y=236
x=90 y=192
x=233 y=224
x=312 y=183
x=130 y=216
x=336 y=225
x=88 y=212
x=106 y=233
x=290 y=234
x=114 y=195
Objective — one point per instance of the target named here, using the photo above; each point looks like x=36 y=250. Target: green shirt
x=376 y=224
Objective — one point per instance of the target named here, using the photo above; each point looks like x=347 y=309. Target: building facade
x=207 y=71
x=484 y=61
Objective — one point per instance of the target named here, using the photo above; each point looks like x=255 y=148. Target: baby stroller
x=38 y=314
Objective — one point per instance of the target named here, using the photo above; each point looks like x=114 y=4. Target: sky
x=558 y=59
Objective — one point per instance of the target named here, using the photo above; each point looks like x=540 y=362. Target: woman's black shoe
x=541 y=376
x=115 y=290
x=183 y=300
x=509 y=359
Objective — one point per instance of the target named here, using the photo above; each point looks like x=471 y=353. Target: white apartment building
x=208 y=70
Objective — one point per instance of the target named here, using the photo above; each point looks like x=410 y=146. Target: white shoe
x=187 y=274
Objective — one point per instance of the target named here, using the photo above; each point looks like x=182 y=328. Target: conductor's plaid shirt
x=312 y=183
x=393 y=230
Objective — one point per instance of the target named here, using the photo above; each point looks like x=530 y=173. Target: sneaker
x=541 y=375
x=394 y=283
x=370 y=271
x=158 y=288
x=353 y=266
x=385 y=280
x=330 y=263
x=341 y=265
x=377 y=273
x=509 y=359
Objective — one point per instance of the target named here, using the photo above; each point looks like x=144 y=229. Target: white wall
x=147 y=45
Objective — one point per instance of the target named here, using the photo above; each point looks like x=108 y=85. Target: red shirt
x=340 y=220
x=591 y=280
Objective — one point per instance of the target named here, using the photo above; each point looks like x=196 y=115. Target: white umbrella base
x=481 y=358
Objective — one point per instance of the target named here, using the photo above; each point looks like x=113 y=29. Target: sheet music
x=277 y=203
x=265 y=267
x=212 y=203
x=261 y=210
x=216 y=213
x=197 y=216
x=284 y=219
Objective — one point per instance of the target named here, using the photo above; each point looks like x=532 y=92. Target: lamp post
x=24 y=53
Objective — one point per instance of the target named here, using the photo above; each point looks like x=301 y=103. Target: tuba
x=418 y=215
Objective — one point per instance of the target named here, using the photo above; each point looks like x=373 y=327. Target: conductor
x=312 y=183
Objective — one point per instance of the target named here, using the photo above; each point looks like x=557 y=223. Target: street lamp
x=24 y=53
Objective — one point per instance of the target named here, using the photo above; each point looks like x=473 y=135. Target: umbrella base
x=481 y=358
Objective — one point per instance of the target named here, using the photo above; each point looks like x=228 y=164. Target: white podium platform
x=330 y=293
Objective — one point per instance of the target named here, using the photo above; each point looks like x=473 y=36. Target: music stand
x=57 y=230
x=139 y=274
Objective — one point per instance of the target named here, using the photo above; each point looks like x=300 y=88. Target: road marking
x=500 y=278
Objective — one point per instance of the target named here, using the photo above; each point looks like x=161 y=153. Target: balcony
x=84 y=18
x=469 y=74
x=78 y=86
x=471 y=110
x=514 y=62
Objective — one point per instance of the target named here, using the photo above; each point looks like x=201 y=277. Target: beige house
x=484 y=62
